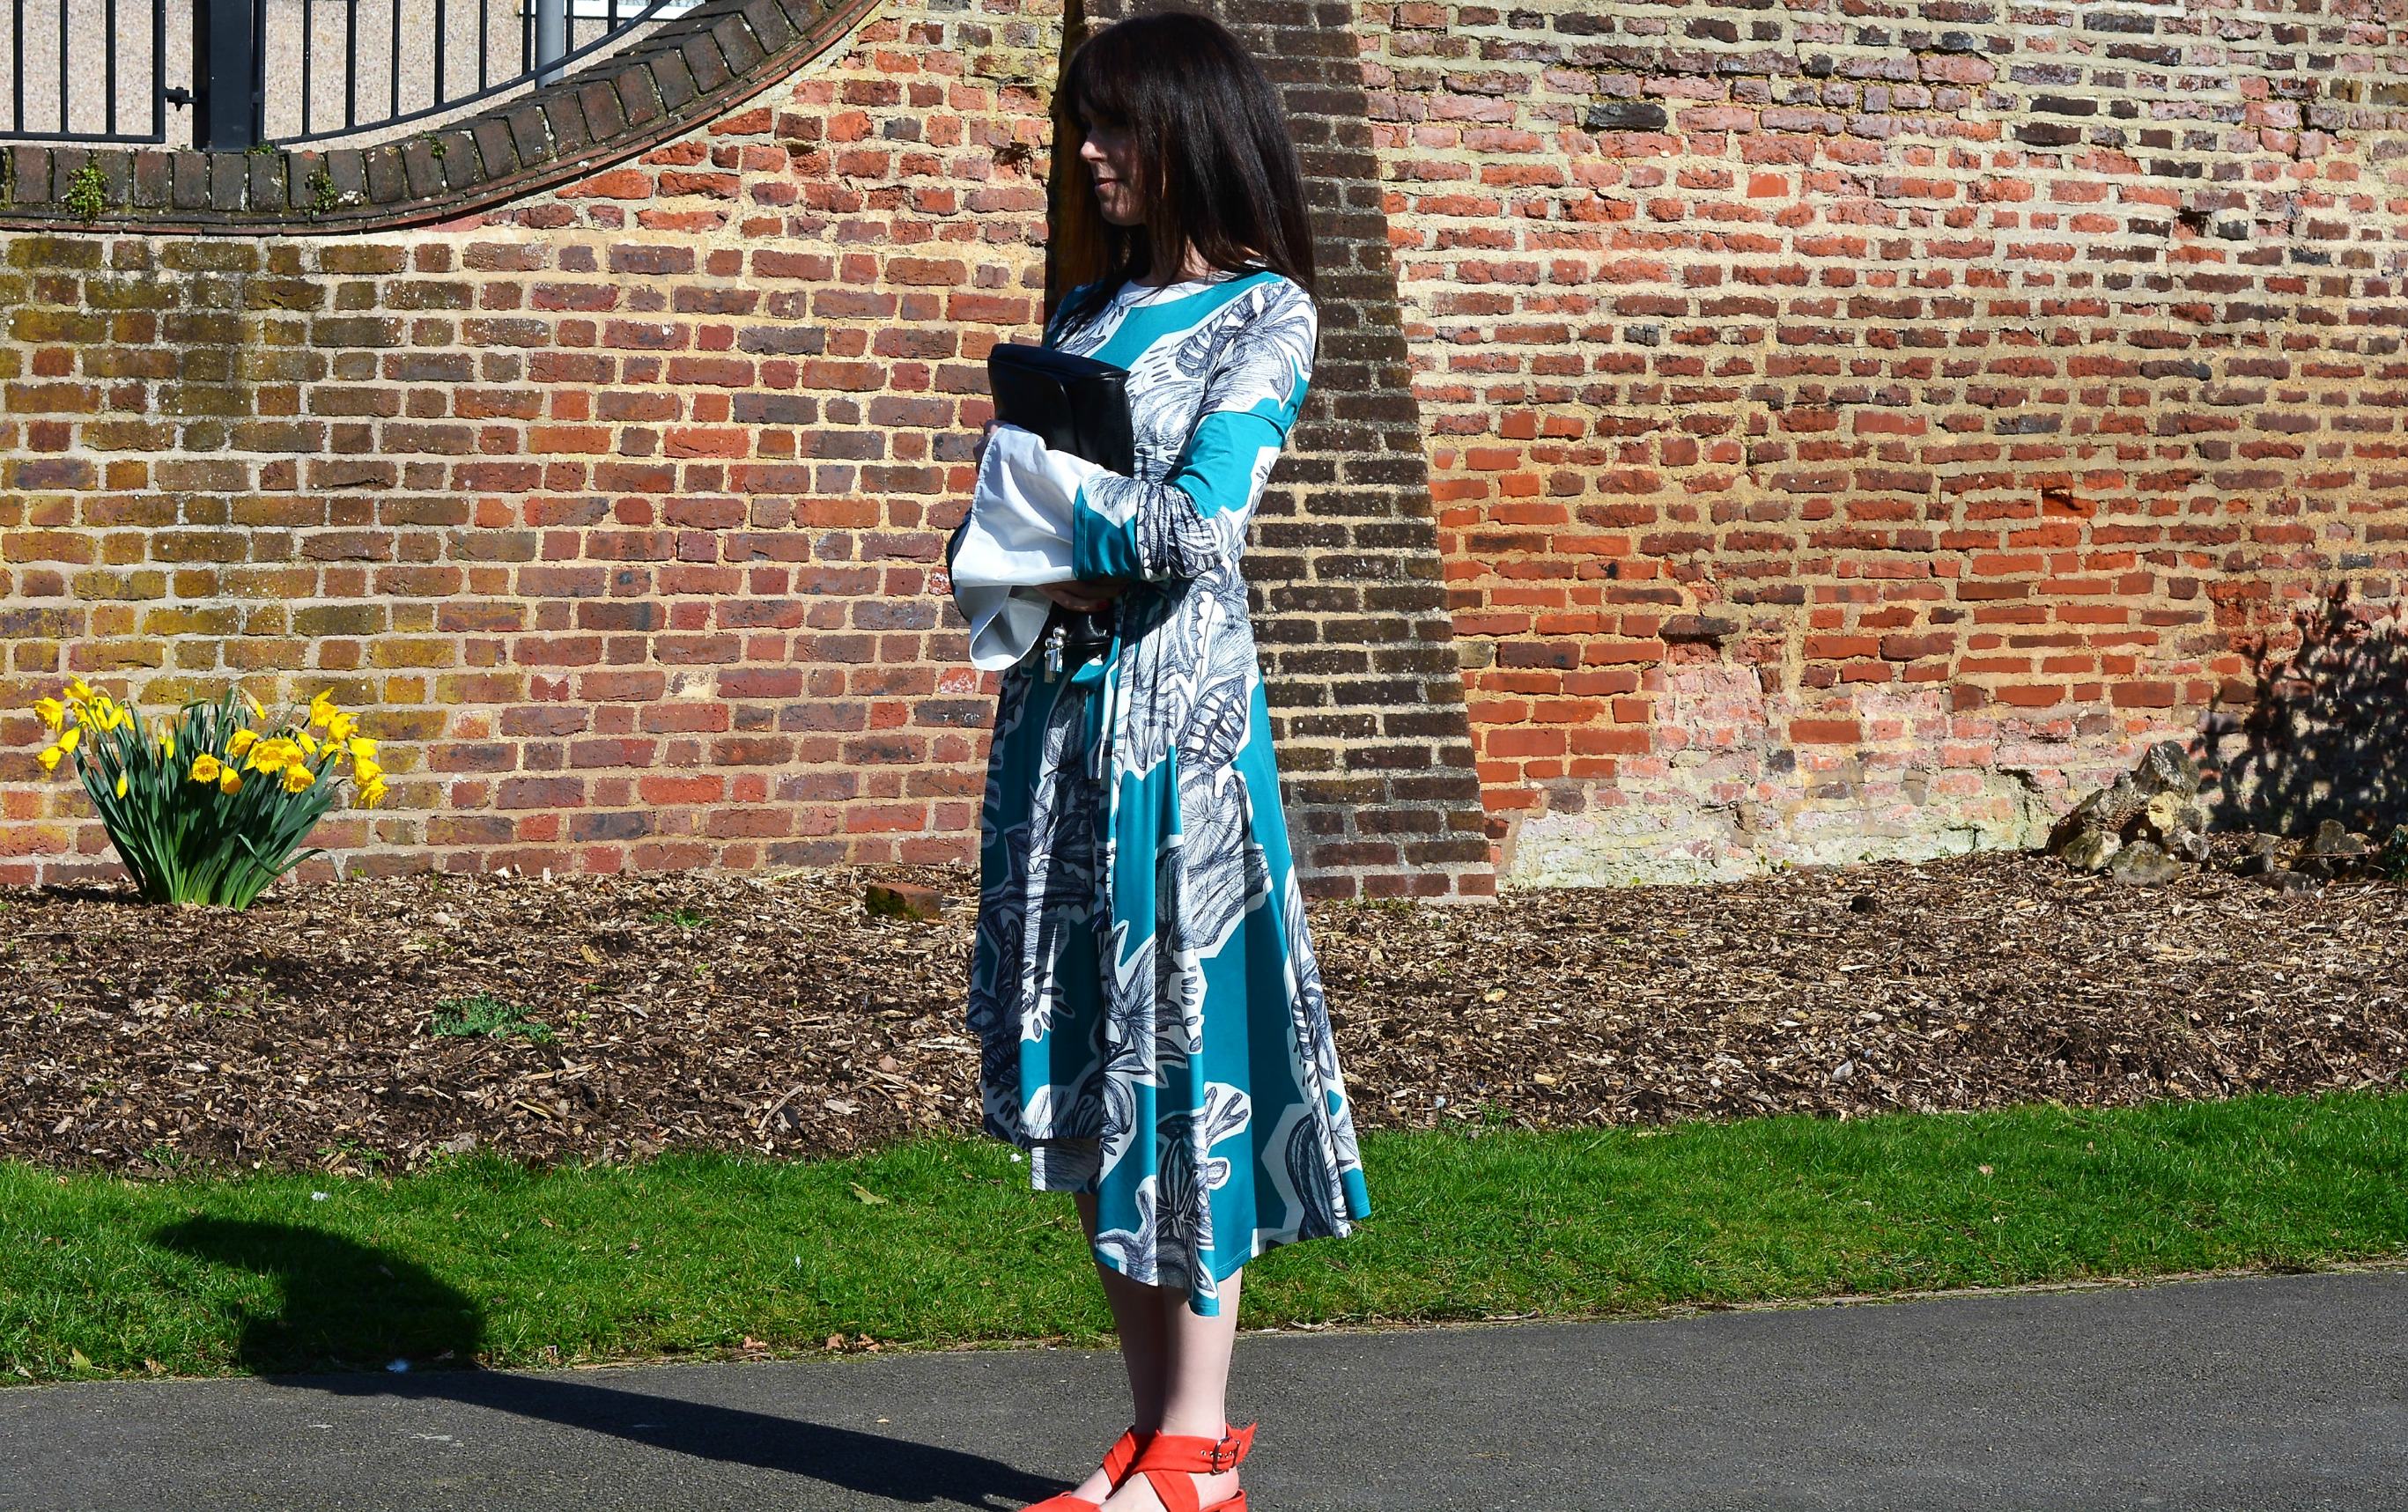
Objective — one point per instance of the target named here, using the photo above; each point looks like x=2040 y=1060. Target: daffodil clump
x=210 y=805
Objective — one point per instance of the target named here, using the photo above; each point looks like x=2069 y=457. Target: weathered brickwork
x=622 y=507
x=1850 y=425
x=623 y=504
x=1845 y=432
x=1357 y=650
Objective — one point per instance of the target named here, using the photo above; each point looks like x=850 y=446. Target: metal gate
x=286 y=72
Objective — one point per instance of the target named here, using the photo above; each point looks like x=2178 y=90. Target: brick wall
x=1358 y=649
x=1851 y=427
x=1845 y=433
x=621 y=506
x=621 y=499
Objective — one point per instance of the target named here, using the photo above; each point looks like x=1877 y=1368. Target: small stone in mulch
x=2090 y=849
x=2143 y=863
x=2287 y=882
x=2263 y=857
x=2166 y=768
x=2333 y=839
x=902 y=900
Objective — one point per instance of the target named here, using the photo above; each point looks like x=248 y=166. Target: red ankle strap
x=1122 y=1456
x=1195 y=1455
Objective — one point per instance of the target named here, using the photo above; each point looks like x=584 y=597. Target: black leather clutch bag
x=1074 y=404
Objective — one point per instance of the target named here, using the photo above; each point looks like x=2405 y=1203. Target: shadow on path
x=342 y=1300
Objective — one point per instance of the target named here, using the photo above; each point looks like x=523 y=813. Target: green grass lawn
x=939 y=1242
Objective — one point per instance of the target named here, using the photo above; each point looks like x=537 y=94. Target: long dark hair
x=1219 y=175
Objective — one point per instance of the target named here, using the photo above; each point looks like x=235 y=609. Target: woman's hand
x=1086 y=597
x=986 y=433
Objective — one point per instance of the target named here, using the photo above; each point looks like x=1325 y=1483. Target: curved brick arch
x=689 y=69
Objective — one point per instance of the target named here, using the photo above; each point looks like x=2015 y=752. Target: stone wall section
x=1852 y=426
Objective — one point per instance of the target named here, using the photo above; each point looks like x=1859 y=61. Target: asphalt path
x=2259 y=1395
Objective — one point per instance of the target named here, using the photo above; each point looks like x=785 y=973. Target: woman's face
x=1109 y=153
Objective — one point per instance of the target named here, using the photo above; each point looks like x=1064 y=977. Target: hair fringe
x=1222 y=179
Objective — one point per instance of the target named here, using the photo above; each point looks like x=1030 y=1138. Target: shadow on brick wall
x=2324 y=732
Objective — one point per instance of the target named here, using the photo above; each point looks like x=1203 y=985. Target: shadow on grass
x=344 y=1303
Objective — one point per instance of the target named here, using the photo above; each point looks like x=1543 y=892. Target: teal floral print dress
x=1143 y=989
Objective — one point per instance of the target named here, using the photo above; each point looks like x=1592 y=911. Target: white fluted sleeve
x=1016 y=536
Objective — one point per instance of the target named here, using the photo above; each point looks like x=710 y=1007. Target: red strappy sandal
x=1117 y=1462
x=1171 y=1457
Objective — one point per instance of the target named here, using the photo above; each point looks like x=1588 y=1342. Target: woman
x=1145 y=993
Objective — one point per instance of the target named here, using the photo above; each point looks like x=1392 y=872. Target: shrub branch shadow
x=343 y=1303
x=2323 y=732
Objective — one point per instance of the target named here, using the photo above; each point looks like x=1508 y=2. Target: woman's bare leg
x=1196 y=1389
x=1139 y=1317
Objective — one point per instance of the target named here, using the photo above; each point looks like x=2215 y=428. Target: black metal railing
x=286 y=72
x=87 y=71
x=366 y=65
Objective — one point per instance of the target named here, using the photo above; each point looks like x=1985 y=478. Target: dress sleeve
x=1195 y=519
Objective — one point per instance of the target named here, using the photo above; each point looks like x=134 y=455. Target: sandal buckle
x=1220 y=1448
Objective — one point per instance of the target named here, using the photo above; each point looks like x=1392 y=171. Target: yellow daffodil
x=241 y=741
x=363 y=748
x=49 y=756
x=365 y=771
x=114 y=715
x=120 y=784
x=372 y=791
x=52 y=713
x=322 y=711
x=68 y=739
x=167 y=733
x=340 y=728
x=308 y=747
x=271 y=756
x=207 y=768
x=253 y=703
x=229 y=781
x=299 y=778
x=80 y=691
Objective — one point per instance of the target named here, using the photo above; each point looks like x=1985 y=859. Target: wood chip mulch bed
x=774 y=1014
